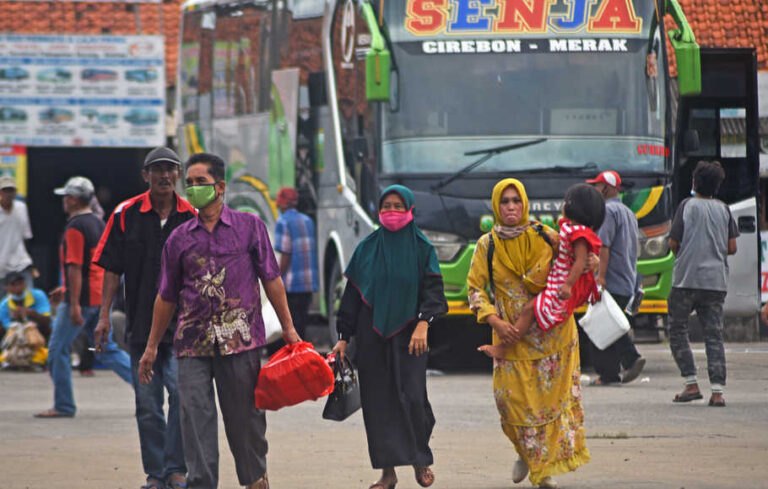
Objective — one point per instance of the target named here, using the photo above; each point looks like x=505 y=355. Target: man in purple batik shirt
x=211 y=267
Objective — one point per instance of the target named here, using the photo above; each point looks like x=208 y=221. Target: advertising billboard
x=82 y=90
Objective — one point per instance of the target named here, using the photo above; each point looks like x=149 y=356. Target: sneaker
x=519 y=471
x=632 y=372
x=548 y=483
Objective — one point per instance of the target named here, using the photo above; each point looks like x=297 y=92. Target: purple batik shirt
x=214 y=277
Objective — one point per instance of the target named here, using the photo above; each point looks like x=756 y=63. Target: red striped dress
x=550 y=309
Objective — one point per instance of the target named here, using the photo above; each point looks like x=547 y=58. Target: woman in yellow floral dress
x=536 y=386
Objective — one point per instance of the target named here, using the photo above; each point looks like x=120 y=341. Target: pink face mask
x=394 y=220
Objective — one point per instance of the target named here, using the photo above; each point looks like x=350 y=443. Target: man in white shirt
x=14 y=229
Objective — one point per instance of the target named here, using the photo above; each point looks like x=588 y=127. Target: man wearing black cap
x=132 y=245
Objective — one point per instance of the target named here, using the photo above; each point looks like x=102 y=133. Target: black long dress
x=393 y=384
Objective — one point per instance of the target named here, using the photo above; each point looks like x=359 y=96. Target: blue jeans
x=64 y=333
x=162 y=452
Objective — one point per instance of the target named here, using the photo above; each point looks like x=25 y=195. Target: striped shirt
x=550 y=309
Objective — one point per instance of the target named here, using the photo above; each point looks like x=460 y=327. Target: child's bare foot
x=493 y=351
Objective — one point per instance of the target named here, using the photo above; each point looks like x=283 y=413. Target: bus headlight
x=446 y=245
x=653 y=241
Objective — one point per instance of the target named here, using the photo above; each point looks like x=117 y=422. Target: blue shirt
x=295 y=235
x=34 y=299
x=619 y=234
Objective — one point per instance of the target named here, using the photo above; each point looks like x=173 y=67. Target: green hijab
x=387 y=269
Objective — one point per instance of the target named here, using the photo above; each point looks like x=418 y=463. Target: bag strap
x=489 y=257
x=539 y=228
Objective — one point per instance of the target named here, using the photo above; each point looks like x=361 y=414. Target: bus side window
x=205 y=80
x=253 y=59
x=190 y=64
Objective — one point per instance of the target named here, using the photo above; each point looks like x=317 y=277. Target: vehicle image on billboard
x=94 y=115
x=95 y=75
x=12 y=114
x=56 y=116
x=141 y=117
x=145 y=75
x=448 y=102
x=13 y=73
x=54 y=75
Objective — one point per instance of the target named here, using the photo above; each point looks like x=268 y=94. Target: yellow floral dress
x=537 y=386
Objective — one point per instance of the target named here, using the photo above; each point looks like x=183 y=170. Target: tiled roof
x=98 y=18
x=727 y=23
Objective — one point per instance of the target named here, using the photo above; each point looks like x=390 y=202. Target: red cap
x=287 y=197
x=609 y=177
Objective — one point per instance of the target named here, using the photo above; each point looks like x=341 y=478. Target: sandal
x=714 y=403
x=424 y=476
x=153 y=484
x=691 y=396
x=52 y=413
x=380 y=485
x=177 y=485
x=262 y=483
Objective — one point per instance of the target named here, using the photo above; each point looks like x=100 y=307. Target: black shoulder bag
x=345 y=398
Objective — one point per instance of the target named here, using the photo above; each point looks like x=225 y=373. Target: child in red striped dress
x=567 y=288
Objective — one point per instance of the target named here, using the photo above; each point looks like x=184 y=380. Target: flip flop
x=714 y=403
x=687 y=397
x=52 y=413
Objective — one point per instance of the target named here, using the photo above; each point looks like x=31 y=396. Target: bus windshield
x=597 y=99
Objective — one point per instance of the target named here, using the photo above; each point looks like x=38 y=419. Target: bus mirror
x=691 y=142
x=377 y=65
x=377 y=61
x=686 y=51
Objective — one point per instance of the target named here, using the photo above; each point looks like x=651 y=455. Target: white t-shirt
x=14 y=229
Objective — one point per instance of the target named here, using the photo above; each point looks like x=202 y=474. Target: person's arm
x=605 y=257
x=109 y=255
x=346 y=318
x=285 y=262
x=677 y=229
x=580 y=250
x=108 y=291
x=275 y=291
x=432 y=304
x=733 y=233
x=161 y=318
x=674 y=245
x=479 y=301
x=74 y=287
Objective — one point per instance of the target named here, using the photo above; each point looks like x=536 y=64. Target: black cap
x=14 y=277
x=162 y=155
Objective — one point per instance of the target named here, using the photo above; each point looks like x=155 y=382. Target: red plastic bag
x=294 y=374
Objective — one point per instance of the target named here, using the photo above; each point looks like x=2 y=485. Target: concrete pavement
x=638 y=438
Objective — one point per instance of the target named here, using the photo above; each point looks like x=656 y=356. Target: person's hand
x=504 y=329
x=75 y=315
x=291 y=336
x=340 y=350
x=418 y=344
x=565 y=292
x=146 y=363
x=592 y=264
x=101 y=333
x=764 y=313
x=56 y=295
x=600 y=280
x=19 y=313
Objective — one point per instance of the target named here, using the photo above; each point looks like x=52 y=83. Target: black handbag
x=345 y=398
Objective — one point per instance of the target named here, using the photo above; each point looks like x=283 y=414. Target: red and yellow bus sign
x=476 y=17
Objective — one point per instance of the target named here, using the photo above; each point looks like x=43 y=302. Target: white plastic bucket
x=604 y=321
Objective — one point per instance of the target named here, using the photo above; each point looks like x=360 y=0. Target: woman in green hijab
x=394 y=293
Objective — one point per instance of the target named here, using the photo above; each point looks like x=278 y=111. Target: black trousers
x=298 y=304
x=623 y=353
